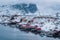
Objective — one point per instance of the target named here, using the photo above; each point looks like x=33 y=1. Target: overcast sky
x=44 y=6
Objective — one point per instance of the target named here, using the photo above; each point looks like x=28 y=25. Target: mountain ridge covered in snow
x=21 y=8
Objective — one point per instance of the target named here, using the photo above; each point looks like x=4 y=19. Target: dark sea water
x=8 y=33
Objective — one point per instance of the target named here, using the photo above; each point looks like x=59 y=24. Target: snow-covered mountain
x=21 y=8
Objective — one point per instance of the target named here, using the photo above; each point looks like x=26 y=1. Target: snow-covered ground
x=46 y=24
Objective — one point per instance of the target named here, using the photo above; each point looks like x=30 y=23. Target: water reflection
x=8 y=33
